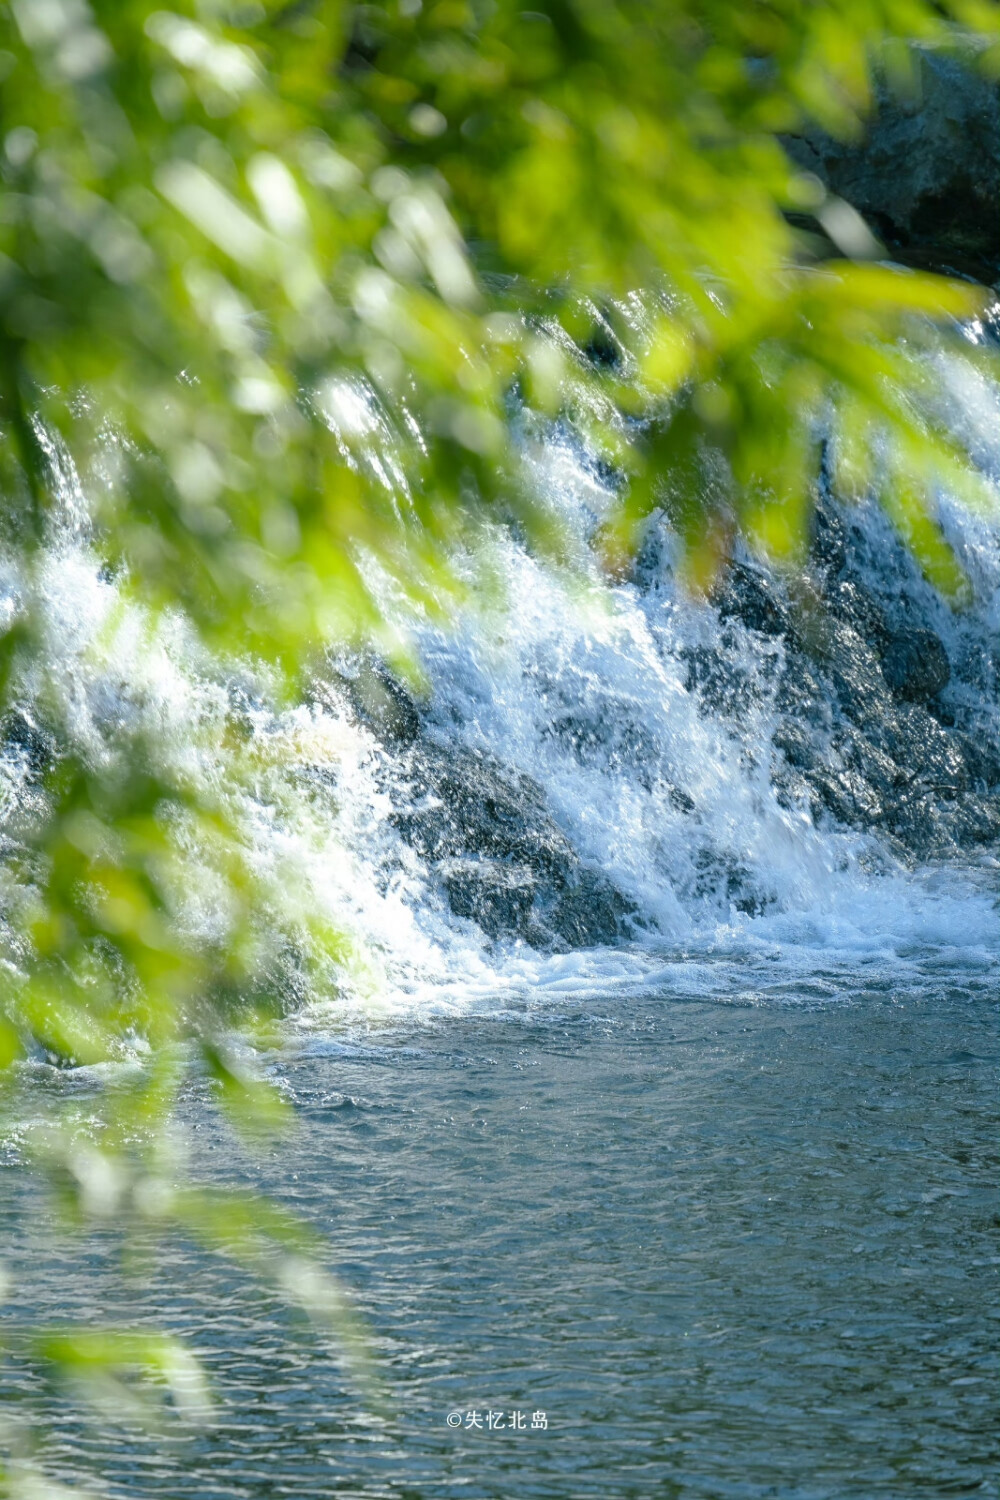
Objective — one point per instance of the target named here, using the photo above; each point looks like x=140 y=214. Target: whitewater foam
x=583 y=686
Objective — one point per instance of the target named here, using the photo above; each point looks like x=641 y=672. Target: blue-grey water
x=735 y=1235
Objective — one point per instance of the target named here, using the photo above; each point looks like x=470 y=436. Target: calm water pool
x=734 y=1239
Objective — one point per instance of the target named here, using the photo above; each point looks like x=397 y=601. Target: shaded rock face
x=502 y=860
x=22 y=737
x=752 y=596
x=482 y=828
x=863 y=735
x=927 y=175
x=916 y=666
x=379 y=701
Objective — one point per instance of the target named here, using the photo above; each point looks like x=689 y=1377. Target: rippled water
x=733 y=1231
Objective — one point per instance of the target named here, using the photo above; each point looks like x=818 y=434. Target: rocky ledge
x=926 y=175
x=867 y=733
x=483 y=829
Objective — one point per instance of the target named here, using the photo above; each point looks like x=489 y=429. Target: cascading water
x=659 y=736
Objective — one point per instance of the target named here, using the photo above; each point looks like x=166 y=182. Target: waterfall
x=685 y=768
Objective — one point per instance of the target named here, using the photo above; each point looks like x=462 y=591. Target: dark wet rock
x=722 y=876
x=612 y=734
x=860 y=754
x=875 y=727
x=498 y=897
x=863 y=735
x=791 y=788
x=977 y=821
x=847 y=795
x=465 y=802
x=603 y=348
x=828 y=536
x=678 y=798
x=853 y=668
x=926 y=176
x=929 y=754
x=656 y=554
x=849 y=601
x=801 y=693
x=511 y=901
x=503 y=861
x=798 y=745
x=718 y=677
x=889 y=763
x=380 y=701
x=943 y=712
x=514 y=901
x=982 y=759
x=753 y=598
x=23 y=738
x=919 y=824
x=617 y=735
x=588 y=910
x=915 y=665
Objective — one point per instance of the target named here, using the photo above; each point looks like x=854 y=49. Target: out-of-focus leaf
x=105 y=1362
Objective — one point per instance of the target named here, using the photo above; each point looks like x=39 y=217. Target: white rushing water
x=585 y=688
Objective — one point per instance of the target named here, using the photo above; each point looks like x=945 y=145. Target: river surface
x=732 y=1230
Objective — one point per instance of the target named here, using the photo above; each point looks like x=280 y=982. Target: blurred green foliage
x=217 y=220
x=239 y=240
